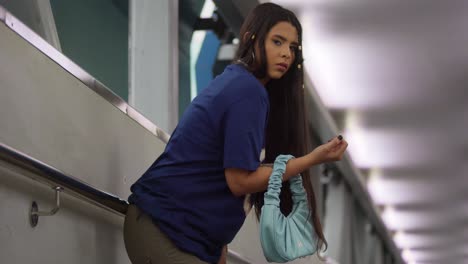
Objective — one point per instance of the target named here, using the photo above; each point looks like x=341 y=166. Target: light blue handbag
x=285 y=238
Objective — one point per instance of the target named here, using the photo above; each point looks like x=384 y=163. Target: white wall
x=78 y=233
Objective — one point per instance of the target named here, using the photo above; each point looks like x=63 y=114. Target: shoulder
x=241 y=84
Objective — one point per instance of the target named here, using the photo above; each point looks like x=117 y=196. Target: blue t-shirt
x=185 y=189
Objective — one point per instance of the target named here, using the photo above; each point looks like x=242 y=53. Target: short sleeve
x=244 y=132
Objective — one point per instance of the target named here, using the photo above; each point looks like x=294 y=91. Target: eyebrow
x=284 y=39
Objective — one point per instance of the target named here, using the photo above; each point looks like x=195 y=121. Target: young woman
x=190 y=203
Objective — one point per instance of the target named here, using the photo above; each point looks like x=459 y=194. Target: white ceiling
x=398 y=73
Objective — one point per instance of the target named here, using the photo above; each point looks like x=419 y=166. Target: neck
x=264 y=81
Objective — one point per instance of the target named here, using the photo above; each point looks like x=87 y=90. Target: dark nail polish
x=340 y=137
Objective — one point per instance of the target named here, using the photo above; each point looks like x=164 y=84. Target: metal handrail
x=54 y=177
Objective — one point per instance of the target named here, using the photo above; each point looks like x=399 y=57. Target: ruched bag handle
x=275 y=183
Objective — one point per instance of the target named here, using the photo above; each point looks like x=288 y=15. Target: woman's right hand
x=333 y=150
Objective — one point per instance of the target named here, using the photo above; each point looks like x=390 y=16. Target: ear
x=246 y=36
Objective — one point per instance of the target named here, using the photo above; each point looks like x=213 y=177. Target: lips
x=283 y=66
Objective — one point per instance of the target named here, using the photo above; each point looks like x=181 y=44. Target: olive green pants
x=146 y=244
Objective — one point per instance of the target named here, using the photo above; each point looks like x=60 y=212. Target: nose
x=286 y=53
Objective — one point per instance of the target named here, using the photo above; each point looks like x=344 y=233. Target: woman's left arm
x=242 y=182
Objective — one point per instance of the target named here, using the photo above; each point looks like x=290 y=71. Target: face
x=281 y=45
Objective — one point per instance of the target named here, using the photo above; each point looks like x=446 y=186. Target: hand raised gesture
x=333 y=150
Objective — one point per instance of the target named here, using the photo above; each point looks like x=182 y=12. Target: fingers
x=339 y=149
x=343 y=146
x=334 y=142
x=339 y=137
x=336 y=148
x=340 y=144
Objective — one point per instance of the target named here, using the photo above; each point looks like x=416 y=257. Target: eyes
x=278 y=43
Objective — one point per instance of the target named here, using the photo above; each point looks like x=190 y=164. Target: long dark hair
x=287 y=130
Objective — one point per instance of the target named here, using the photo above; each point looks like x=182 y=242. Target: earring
x=299 y=66
x=253 y=36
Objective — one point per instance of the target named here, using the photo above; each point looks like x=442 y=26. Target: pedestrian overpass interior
x=87 y=104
